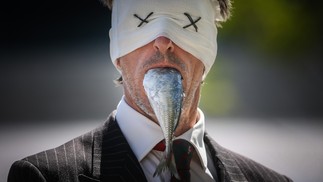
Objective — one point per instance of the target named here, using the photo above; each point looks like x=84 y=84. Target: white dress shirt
x=143 y=134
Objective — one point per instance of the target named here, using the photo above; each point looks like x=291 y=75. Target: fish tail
x=165 y=165
x=162 y=166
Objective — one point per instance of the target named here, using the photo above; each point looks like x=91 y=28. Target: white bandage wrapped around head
x=190 y=24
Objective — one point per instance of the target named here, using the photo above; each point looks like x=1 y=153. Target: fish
x=164 y=89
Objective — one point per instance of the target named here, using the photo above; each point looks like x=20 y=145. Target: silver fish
x=164 y=90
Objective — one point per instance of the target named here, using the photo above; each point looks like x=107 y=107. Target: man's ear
x=117 y=64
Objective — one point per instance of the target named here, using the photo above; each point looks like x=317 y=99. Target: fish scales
x=164 y=90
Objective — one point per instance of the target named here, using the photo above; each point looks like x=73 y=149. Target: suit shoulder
x=255 y=171
x=64 y=162
x=233 y=165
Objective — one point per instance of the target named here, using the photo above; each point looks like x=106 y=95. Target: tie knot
x=160 y=146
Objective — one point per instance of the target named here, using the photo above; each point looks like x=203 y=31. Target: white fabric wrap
x=167 y=20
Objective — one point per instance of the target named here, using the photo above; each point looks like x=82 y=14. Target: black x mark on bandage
x=193 y=22
x=143 y=20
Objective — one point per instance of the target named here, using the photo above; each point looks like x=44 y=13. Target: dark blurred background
x=55 y=61
x=55 y=70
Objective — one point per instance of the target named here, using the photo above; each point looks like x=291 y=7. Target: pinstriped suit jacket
x=104 y=155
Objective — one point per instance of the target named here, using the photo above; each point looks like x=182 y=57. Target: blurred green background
x=269 y=62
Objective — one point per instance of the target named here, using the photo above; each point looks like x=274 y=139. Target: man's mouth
x=166 y=66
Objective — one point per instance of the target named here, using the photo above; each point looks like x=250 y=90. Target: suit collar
x=113 y=159
x=228 y=169
x=132 y=122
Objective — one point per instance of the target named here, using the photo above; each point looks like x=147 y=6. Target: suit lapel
x=113 y=159
x=118 y=162
x=228 y=169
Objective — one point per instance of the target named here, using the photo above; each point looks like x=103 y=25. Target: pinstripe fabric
x=104 y=155
x=100 y=155
x=30 y=172
x=118 y=163
x=63 y=163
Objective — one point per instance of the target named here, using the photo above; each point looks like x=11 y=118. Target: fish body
x=164 y=90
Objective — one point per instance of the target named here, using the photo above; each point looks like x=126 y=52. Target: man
x=148 y=34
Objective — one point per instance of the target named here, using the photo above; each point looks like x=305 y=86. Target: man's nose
x=163 y=44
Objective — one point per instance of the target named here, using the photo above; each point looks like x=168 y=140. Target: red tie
x=160 y=146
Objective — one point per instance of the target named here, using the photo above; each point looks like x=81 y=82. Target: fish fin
x=162 y=166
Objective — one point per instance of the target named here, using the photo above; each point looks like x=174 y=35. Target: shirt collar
x=143 y=134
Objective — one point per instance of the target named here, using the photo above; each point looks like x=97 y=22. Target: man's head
x=190 y=24
x=179 y=34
